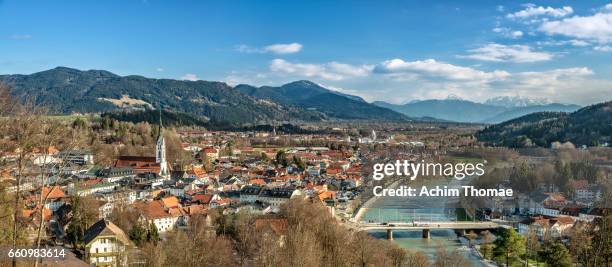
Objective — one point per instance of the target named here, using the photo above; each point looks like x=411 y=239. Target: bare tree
x=398 y=256
x=486 y=245
x=444 y=258
x=53 y=134
x=532 y=243
x=19 y=129
x=27 y=129
x=417 y=259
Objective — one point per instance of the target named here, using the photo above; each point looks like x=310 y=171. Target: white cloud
x=597 y=27
x=517 y=34
x=573 y=42
x=397 y=80
x=501 y=8
x=507 y=53
x=349 y=70
x=509 y=33
x=569 y=85
x=20 y=37
x=247 y=49
x=430 y=68
x=284 y=48
x=279 y=49
x=329 y=71
x=536 y=11
x=603 y=48
x=190 y=77
x=579 y=43
x=542 y=78
x=160 y=69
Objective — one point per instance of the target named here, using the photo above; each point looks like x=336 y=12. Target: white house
x=163 y=218
x=542 y=225
x=106 y=244
x=249 y=194
x=277 y=196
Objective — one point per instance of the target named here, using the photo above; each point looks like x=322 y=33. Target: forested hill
x=591 y=126
x=67 y=90
x=314 y=97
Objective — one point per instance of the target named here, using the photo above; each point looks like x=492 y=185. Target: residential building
x=106 y=244
x=79 y=157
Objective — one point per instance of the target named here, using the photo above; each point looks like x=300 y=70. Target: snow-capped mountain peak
x=454 y=97
x=516 y=101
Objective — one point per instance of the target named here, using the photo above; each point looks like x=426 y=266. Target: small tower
x=373 y=135
x=160 y=149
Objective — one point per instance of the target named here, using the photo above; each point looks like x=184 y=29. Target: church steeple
x=160 y=149
x=159 y=133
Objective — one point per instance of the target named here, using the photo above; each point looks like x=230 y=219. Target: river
x=401 y=209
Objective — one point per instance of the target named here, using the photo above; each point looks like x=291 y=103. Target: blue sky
x=395 y=51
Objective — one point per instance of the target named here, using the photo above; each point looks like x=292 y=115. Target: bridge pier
x=389 y=234
x=426 y=233
x=461 y=232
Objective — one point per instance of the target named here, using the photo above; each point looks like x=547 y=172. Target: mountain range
x=69 y=90
x=494 y=110
x=516 y=101
x=311 y=96
x=590 y=126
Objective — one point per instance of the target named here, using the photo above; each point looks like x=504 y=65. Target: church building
x=144 y=164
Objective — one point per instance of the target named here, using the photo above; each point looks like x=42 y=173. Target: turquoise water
x=413 y=240
x=400 y=209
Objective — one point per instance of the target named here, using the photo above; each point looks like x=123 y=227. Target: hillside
x=310 y=96
x=589 y=126
x=515 y=112
x=467 y=111
x=70 y=90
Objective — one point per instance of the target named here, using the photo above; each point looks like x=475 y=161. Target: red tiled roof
x=195 y=209
x=257 y=181
x=170 y=202
x=326 y=195
x=279 y=226
x=54 y=192
x=202 y=198
x=152 y=210
x=138 y=163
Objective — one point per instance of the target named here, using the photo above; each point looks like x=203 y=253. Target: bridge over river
x=421 y=223
x=426 y=226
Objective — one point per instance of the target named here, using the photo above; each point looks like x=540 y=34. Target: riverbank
x=365 y=206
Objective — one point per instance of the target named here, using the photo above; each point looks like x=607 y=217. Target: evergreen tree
x=509 y=247
x=281 y=158
x=152 y=234
x=298 y=162
x=556 y=254
x=138 y=234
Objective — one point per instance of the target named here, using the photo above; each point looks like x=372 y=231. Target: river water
x=403 y=209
